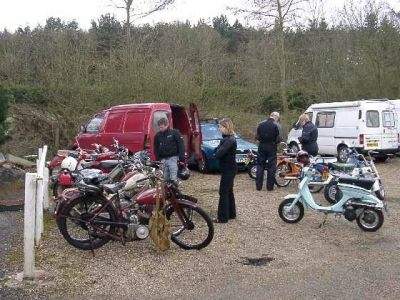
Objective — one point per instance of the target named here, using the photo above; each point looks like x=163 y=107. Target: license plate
x=240 y=160
x=372 y=145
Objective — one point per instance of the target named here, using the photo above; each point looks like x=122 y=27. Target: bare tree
x=279 y=14
x=139 y=9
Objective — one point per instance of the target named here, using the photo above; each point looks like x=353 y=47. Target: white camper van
x=397 y=111
x=365 y=125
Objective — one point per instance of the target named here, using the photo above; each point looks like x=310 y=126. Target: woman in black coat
x=226 y=154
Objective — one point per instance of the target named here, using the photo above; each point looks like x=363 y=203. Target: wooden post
x=29 y=225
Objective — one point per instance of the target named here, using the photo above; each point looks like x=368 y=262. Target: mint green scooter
x=354 y=202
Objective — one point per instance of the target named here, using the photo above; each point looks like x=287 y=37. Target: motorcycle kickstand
x=91 y=241
x=324 y=221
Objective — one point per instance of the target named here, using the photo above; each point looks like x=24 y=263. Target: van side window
x=388 y=118
x=114 y=122
x=325 y=119
x=372 y=117
x=159 y=114
x=94 y=125
x=134 y=121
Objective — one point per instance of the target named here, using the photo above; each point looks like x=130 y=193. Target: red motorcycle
x=94 y=213
x=72 y=165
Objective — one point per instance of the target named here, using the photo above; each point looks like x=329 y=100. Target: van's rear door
x=389 y=138
x=197 y=138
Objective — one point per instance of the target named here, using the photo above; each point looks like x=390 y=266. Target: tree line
x=226 y=68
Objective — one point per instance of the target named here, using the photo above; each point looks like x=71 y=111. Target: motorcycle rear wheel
x=200 y=232
x=292 y=216
x=370 y=220
x=74 y=223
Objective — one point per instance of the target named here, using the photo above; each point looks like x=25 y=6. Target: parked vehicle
x=94 y=213
x=396 y=103
x=211 y=137
x=289 y=167
x=357 y=166
x=365 y=125
x=135 y=125
x=354 y=202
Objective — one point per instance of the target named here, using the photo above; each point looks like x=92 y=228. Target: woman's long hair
x=228 y=125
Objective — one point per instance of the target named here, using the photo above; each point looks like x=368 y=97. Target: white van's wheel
x=342 y=154
x=294 y=147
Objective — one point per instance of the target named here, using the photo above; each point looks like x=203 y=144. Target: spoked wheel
x=85 y=223
x=293 y=215
x=330 y=192
x=199 y=231
x=281 y=171
x=370 y=220
x=381 y=192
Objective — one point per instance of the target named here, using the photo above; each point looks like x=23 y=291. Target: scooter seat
x=341 y=166
x=108 y=164
x=365 y=183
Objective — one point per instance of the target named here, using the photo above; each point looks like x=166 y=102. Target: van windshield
x=388 y=118
x=372 y=118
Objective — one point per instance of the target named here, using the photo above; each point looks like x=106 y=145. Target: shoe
x=219 y=221
x=232 y=218
x=259 y=189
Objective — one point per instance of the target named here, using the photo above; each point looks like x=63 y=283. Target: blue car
x=211 y=139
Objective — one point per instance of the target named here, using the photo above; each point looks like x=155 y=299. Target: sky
x=21 y=13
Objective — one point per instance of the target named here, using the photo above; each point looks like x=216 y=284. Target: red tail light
x=361 y=139
x=146 y=142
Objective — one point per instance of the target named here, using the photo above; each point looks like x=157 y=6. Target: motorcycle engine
x=135 y=230
x=350 y=213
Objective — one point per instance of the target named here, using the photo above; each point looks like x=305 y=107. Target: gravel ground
x=302 y=261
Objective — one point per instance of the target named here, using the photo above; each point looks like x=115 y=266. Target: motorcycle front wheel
x=281 y=171
x=293 y=215
x=370 y=220
x=199 y=231
x=83 y=227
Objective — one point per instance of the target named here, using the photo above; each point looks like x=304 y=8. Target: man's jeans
x=170 y=168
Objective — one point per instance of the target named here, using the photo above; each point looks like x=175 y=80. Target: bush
x=5 y=99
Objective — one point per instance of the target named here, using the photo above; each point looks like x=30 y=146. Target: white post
x=40 y=194
x=46 y=204
x=39 y=210
x=29 y=225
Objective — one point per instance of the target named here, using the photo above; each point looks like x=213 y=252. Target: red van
x=134 y=126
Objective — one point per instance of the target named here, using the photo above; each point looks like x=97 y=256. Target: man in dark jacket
x=309 y=135
x=169 y=148
x=268 y=134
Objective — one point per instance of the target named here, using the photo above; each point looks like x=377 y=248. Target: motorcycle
x=357 y=165
x=93 y=213
x=73 y=166
x=354 y=202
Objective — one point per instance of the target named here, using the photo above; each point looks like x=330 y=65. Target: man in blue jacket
x=169 y=149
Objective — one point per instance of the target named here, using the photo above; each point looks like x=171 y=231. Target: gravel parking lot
x=256 y=256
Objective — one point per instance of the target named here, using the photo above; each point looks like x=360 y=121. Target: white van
x=397 y=111
x=365 y=125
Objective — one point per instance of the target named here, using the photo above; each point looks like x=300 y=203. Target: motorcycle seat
x=112 y=188
x=341 y=166
x=108 y=164
x=365 y=183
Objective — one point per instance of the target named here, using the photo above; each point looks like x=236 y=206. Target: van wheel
x=202 y=165
x=380 y=159
x=294 y=147
x=342 y=154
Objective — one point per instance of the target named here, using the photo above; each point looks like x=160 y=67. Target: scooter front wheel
x=370 y=220
x=293 y=215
